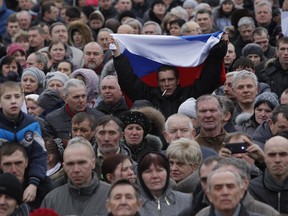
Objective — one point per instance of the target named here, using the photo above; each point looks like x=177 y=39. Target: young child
x=20 y=127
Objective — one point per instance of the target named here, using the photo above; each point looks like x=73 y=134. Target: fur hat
x=135 y=117
x=35 y=72
x=56 y=76
x=11 y=186
x=12 y=48
x=188 y=108
x=267 y=97
x=253 y=48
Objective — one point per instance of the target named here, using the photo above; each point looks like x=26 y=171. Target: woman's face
x=9 y=67
x=155 y=179
x=133 y=134
x=227 y=7
x=77 y=38
x=175 y=30
x=65 y=68
x=179 y=169
x=96 y=24
x=125 y=170
x=29 y=84
x=20 y=57
x=33 y=108
x=58 y=52
x=262 y=113
x=55 y=85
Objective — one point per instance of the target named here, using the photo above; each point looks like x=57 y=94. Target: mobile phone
x=237 y=147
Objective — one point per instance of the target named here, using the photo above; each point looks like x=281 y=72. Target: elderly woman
x=32 y=81
x=185 y=157
x=136 y=137
x=56 y=80
x=157 y=197
x=263 y=107
x=91 y=80
x=33 y=107
x=117 y=167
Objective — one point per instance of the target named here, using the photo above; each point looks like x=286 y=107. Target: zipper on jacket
x=159 y=207
x=167 y=201
x=279 y=199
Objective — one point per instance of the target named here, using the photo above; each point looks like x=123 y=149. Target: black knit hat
x=11 y=186
x=156 y=2
x=135 y=117
x=253 y=48
x=50 y=99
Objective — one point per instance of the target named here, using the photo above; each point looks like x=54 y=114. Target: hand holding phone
x=236 y=148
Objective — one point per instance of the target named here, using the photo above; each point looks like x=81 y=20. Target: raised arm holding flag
x=188 y=66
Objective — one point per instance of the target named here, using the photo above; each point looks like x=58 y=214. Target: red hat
x=12 y=48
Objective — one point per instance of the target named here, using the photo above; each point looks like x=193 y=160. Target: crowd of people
x=82 y=134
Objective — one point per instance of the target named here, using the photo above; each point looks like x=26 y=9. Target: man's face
x=282 y=53
x=123 y=201
x=65 y=68
x=102 y=39
x=179 y=169
x=281 y=124
x=7 y=205
x=276 y=157
x=230 y=55
x=177 y=128
x=256 y=59
x=14 y=164
x=83 y=129
x=36 y=40
x=76 y=98
x=284 y=98
x=245 y=91
x=24 y=21
x=167 y=82
x=25 y=4
x=209 y=114
x=205 y=22
x=93 y=56
x=262 y=40
x=263 y=15
x=228 y=90
x=12 y=28
x=149 y=30
x=53 y=14
x=225 y=193
x=108 y=137
x=11 y=102
x=246 y=32
x=32 y=62
x=78 y=165
x=110 y=91
x=204 y=172
x=124 y=5
x=105 y=4
x=59 y=33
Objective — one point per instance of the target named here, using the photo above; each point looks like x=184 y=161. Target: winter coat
x=207 y=82
x=265 y=189
x=57 y=124
x=171 y=203
x=85 y=201
x=188 y=184
x=149 y=143
x=245 y=122
x=117 y=109
x=262 y=134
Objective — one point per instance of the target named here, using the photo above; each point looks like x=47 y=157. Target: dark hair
x=243 y=62
x=104 y=120
x=203 y=11
x=179 y=22
x=145 y=162
x=281 y=109
x=68 y=62
x=236 y=134
x=8 y=148
x=54 y=25
x=55 y=43
x=166 y=68
x=52 y=148
x=124 y=182
x=82 y=116
x=110 y=164
x=282 y=40
x=12 y=18
x=73 y=12
x=38 y=28
x=8 y=59
x=46 y=8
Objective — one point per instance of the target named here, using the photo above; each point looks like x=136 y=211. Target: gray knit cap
x=57 y=75
x=188 y=108
x=35 y=72
x=253 y=48
x=267 y=97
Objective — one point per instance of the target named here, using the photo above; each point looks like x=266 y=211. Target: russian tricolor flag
x=147 y=52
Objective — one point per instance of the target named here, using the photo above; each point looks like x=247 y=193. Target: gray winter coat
x=86 y=201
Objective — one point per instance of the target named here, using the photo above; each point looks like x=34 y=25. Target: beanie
x=50 y=99
x=35 y=72
x=11 y=186
x=267 y=97
x=222 y=1
x=135 y=117
x=253 y=48
x=12 y=48
x=188 y=108
x=57 y=75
